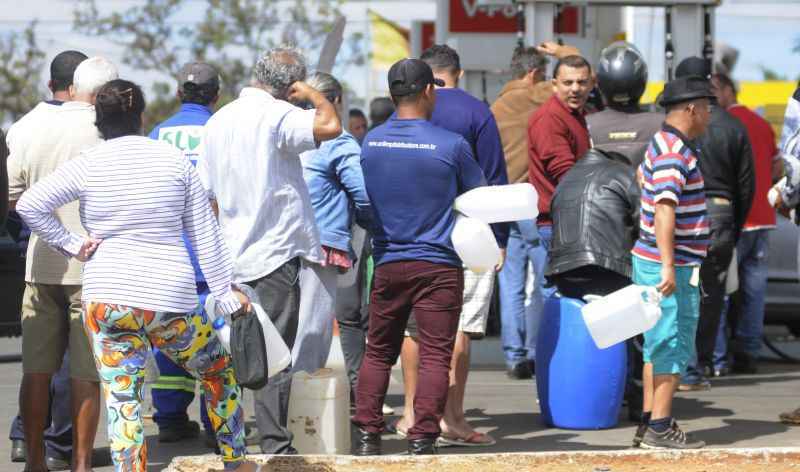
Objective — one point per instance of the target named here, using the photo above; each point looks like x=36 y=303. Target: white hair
x=93 y=73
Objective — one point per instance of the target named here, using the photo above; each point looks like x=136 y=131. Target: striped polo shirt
x=671 y=172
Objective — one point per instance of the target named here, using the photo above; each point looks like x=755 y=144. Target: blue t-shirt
x=461 y=113
x=184 y=130
x=413 y=171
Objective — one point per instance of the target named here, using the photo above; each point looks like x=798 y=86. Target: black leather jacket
x=595 y=211
x=726 y=162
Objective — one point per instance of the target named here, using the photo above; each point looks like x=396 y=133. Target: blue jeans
x=520 y=323
x=752 y=251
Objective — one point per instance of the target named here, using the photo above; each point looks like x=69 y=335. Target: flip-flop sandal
x=393 y=429
x=791 y=417
x=469 y=441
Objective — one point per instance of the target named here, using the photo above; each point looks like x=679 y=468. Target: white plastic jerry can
x=622 y=314
x=499 y=203
x=319 y=412
x=475 y=244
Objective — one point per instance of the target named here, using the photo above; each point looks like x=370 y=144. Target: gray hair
x=279 y=68
x=524 y=60
x=327 y=85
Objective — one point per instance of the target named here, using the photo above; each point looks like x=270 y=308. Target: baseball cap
x=409 y=76
x=693 y=66
x=684 y=89
x=198 y=73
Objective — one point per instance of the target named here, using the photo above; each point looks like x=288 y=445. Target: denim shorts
x=670 y=344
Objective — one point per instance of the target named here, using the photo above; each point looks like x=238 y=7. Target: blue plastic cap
x=218 y=323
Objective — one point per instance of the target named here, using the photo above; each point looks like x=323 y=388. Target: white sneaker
x=387 y=410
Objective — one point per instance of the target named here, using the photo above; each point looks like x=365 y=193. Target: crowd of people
x=131 y=234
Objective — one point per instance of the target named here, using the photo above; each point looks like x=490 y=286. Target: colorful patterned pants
x=121 y=337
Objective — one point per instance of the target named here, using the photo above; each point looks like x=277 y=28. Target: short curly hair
x=279 y=68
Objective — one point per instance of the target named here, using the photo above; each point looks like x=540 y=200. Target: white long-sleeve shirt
x=137 y=195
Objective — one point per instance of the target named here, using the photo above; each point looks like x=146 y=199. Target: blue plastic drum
x=579 y=385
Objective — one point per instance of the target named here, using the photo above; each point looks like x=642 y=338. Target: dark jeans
x=434 y=292
x=58 y=435
x=351 y=309
x=279 y=293
x=713 y=276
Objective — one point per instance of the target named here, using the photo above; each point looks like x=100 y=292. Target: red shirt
x=557 y=137
x=762 y=140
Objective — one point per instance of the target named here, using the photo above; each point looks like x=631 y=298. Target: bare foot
x=404 y=424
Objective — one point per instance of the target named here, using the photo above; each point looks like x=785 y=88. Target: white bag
x=278 y=355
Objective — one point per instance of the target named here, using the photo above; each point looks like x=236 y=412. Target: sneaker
x=673 y=438
x=521 y=371
x=700 y=386
x=387 y=410
x=639 y=435
x=721 y=372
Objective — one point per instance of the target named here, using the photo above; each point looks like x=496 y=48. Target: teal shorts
x=669 y=345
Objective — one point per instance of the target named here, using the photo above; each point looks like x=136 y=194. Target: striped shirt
x=138 y=196
x=671 y=173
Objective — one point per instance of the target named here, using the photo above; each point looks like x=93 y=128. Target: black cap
x=685 y=89
x=409 y=76
x=198 y=73
x=693 y=66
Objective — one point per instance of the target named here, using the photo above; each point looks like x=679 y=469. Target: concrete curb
x=756 y=459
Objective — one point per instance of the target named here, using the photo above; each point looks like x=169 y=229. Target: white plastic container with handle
x=475 y=244
x=622 y=314
x=278 y=355
x=499 y=203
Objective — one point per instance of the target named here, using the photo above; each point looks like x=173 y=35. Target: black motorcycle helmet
x=622 y=74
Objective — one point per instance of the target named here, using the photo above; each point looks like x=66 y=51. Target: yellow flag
x=390 y=42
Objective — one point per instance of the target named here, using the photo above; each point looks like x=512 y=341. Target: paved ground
x=739 y=411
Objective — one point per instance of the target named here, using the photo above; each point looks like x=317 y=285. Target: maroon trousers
x=435 y=293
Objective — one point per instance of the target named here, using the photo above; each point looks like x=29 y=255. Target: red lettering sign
x=466 y=16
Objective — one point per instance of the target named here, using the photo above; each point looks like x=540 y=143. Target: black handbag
x=248 y=351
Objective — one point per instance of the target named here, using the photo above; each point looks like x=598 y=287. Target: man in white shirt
x=252 y=170
x=38 y=146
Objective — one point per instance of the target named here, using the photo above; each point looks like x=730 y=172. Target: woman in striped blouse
x=137 y=196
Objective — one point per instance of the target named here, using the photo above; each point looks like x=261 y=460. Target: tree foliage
x=231 y=35
x=20 y=74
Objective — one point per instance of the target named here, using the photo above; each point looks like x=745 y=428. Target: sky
x=739 y=23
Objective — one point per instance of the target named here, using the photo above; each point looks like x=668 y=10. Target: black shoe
x=170 y=434
x=744 y=364
x=17 y=450
x=366 y=443
x=672 y=438
x=639 y=435
x=422 y=447
x=57 y=463
x=521 y=371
